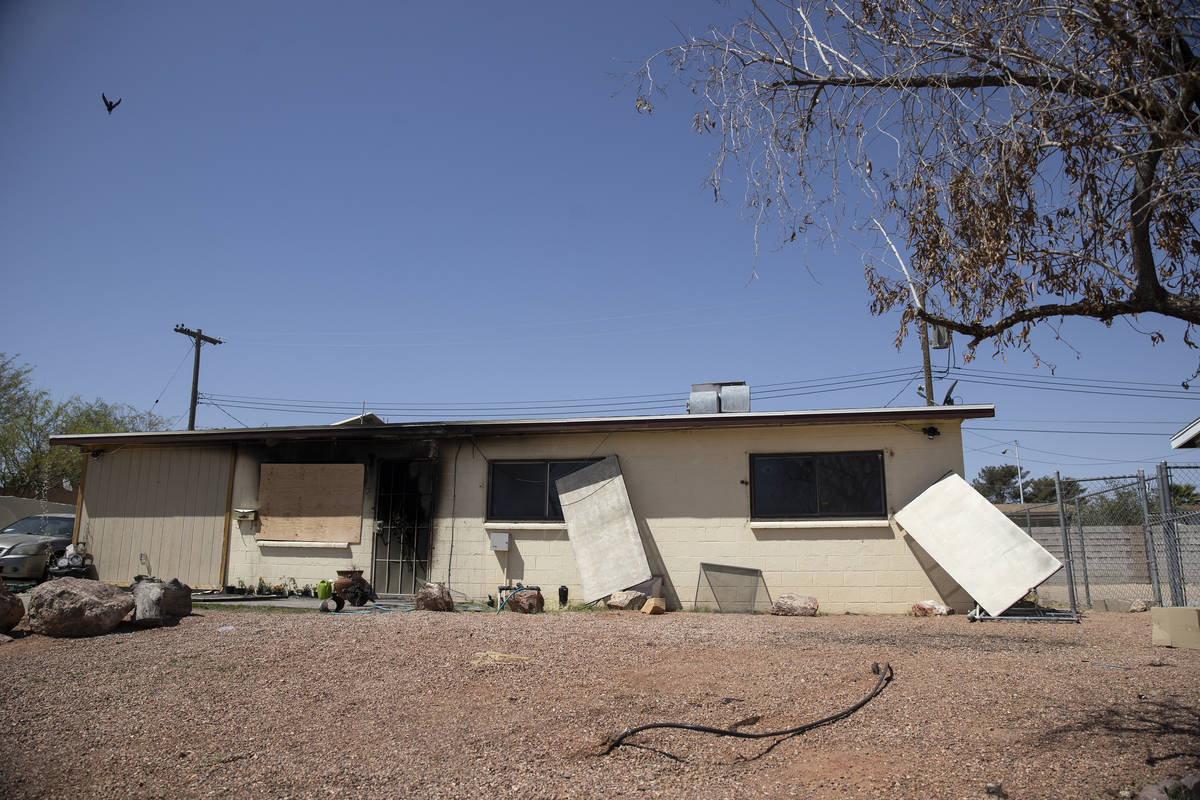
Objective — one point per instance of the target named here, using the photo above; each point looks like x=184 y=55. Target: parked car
x=29 y=546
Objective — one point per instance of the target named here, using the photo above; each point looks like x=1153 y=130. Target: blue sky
x=437 y=204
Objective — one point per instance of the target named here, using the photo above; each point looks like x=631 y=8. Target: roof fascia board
x=1187 y=436
x=421 y=430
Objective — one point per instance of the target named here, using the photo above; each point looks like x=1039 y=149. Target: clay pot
x=345 y=579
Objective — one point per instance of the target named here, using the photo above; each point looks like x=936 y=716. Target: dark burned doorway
x=403 y=525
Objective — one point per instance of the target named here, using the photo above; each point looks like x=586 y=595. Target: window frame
x=882 y=513
x=489 y=513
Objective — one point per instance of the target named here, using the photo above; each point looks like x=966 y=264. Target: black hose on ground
x=884 y=671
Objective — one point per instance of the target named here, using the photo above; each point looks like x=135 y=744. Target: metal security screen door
x=403 y=525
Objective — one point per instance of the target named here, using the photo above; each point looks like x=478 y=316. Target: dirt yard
x=391 y=706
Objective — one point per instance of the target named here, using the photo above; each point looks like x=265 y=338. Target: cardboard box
x=1176 y=627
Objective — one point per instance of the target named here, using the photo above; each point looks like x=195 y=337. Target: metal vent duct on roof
x=718 y=398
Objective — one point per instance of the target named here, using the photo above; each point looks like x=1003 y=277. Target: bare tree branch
x=1039 y=158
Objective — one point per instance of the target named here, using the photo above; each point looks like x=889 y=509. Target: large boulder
x=148 y=602
x=795 y=605
x=177 y=598
x=622 y=601
x=526 y=601
x=433 y=597
x=11 y=609
x=76 y=607
x=155 y=601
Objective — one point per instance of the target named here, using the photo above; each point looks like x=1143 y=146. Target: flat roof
x=451 y=429
x=1188 y=436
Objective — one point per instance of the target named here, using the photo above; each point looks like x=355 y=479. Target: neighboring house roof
x=426 y=430
x=1188 y=437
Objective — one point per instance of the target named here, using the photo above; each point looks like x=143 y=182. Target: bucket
x=324 y=590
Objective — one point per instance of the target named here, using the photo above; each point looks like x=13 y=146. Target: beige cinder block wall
x=691 y=497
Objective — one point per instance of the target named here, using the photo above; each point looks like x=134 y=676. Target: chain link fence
x=1125 y=538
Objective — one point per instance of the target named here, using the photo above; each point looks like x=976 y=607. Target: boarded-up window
x=310 y=502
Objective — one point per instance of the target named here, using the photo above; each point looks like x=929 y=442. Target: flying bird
x=108 y=103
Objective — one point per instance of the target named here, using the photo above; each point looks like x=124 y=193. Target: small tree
x=1043 y=490
x=999 y=483
x=29 y=417
x=1039 y=157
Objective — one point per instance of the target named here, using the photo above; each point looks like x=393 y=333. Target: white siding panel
x=168 y=503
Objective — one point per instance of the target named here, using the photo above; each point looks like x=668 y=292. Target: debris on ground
x=626 y=600
x=655 y=605
x=931 y=608
x=493 y=657
x=433 y=597
x=525 y=600
x=795 y=605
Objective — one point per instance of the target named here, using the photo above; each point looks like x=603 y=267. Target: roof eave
x=420 y=430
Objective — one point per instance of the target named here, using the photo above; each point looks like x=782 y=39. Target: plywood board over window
x=310 y=502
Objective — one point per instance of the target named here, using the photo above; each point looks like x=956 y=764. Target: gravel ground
x=391 y=705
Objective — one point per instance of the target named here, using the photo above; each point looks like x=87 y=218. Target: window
x=808 y=485
x=525 y=490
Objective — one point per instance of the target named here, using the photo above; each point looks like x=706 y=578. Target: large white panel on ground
x=602 y=529
x=996 y=562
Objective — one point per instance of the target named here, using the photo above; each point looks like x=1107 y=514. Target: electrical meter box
x=499 y=540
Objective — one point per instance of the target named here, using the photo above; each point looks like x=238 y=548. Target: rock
x=795 y=605
x=627 y=600
x=1138 y=606
x=931 y=608
x=11 y=609
x=177 y=598
x=434 y=597
x=526 y=601
x=5 y=639
x=1154 y=791
x=155 y=601
x=76 y=607
x=148 y=602
x=655 y=605
x=995 y=789
x=226 y=629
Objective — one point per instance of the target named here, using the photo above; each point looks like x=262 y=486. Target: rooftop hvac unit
x=718 y=398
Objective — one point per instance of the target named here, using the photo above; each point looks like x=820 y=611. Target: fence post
x=1087 y=587
x=1147 y=532
x=1066 y=541
x=1170 y=540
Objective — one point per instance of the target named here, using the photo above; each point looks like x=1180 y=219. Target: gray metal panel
x=704 y=402
x=735 y=398
x=167 y=504
x=996 y=562
x=602 y=529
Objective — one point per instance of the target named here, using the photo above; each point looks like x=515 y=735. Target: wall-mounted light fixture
x=931 y=431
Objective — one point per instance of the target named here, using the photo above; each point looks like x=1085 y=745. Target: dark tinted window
x=796 y=486
x=525 y=490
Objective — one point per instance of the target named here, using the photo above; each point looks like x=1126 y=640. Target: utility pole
x=199 y=337
x=924 y=331
x=1020 y=483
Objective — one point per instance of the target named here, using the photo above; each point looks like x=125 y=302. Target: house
x=805 y=497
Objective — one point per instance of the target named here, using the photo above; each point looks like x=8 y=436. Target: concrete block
x=1176 y=627
x=655 y=605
